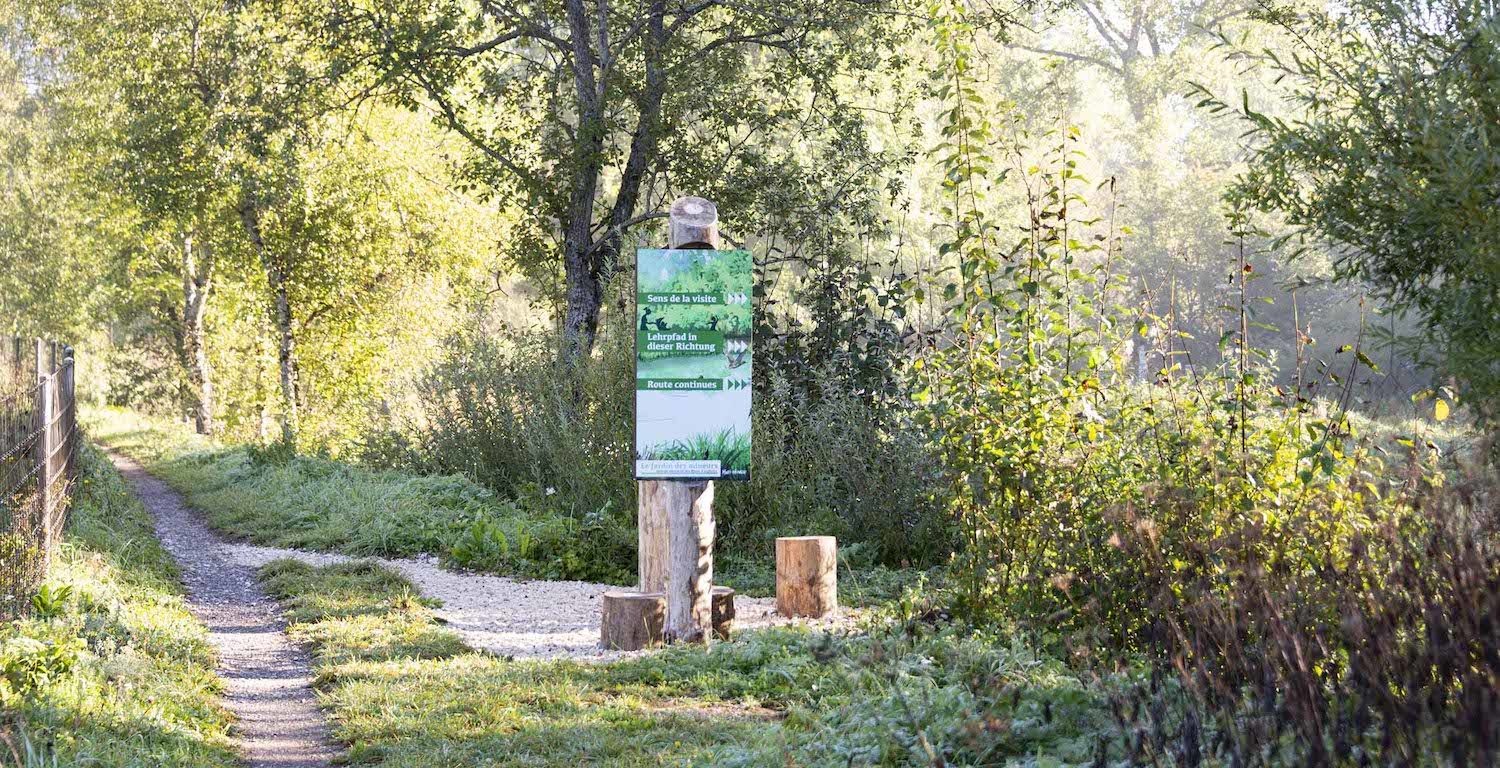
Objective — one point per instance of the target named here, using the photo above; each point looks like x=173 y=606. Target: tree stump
x=806 y=576
x=631 y=621
x=723 y=602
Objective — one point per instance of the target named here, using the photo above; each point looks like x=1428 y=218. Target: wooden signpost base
x=632 y=621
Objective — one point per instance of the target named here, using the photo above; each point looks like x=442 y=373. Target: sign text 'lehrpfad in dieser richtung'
x=692 y=365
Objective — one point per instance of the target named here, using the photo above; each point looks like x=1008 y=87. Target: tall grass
x=272 y=497
x=507 y=414
x=1378 y=647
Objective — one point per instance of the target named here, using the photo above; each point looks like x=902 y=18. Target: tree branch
x=1078 y=57
x=451 y=118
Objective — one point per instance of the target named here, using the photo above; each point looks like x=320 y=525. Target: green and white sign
x=692 y=365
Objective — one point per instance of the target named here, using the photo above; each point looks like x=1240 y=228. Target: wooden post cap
x=693 y=222
x=630 y=621
x=806 y=576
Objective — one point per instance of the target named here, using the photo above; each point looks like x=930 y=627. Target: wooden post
x=44 y=449
x=630 y=621
x=723 y=612
x=676 y=522
x=806 y=576
x=67 y=396
x=690 y=563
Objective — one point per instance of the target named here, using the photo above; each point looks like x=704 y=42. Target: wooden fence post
x=676 y=523
x=67 y=393
x=44 y=450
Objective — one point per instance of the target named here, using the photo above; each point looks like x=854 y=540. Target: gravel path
x=515 y=618
x=266 y=677
x=505 y=616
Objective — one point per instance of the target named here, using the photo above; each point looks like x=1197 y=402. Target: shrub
x=840 y=465
x=1382 y=647
x=28 y=663
x=512 y=415
x=560 y=442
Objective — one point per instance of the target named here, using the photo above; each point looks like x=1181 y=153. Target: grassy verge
x=405 y=692
x=276 y=499
x=270 y=496
x=112 y=670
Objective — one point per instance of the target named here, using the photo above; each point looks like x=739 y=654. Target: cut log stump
x=723 y=601
x=806 y=576
x=631 y=621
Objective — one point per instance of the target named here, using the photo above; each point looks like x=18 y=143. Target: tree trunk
x=584 y=293
x=281 y=316
x=584 y=297
x=197 y=280
x=589 y=264
x=630 y=621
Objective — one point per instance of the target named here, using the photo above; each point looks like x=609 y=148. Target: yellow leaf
x=1440 y=409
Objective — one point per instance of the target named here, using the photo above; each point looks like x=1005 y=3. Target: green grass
x=405 y=692
x=730 y=446
x=312 y=503
x=118 y=672
x=270 y=497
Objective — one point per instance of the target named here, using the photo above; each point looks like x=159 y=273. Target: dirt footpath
x=266 y=677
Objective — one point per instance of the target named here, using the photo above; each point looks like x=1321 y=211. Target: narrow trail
x=266 y=677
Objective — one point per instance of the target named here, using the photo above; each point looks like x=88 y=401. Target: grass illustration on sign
x=693 y=363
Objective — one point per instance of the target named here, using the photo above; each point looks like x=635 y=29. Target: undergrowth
x=404 y=692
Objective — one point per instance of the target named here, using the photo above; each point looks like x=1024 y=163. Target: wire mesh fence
x=38 y=462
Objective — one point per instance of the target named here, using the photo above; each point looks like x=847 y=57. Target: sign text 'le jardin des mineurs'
x=692 y=364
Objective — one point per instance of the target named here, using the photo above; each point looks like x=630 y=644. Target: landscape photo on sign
x=693 y=364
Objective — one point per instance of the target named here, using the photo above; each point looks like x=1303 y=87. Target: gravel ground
x=511 y=617
x=266 y=677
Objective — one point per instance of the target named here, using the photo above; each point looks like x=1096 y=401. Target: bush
x=1381 y=647
x=510 y=415
x=836 y=465
x=27 y=664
